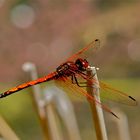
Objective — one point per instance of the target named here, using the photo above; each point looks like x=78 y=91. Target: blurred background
x=46 y=32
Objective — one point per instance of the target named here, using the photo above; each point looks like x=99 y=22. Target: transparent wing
x=67 y=86
x=110 y=93
x=94 y=45
x=66 y=82
x=107 y=92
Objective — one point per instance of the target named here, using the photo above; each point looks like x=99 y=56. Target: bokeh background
x=46 y=32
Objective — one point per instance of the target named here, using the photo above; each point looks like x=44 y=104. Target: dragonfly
x=76 y=66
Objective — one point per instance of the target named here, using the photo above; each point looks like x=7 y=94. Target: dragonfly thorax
x=81 y=64
x=64 y=69
x=69 y=68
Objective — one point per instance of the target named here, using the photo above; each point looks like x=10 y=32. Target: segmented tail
x=49 y=77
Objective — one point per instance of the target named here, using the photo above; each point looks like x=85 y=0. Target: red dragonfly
x=73 y=67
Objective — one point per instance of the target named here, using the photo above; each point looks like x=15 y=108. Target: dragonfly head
x=82 y=64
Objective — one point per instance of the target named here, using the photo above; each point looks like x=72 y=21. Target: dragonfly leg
x=75 y=81
x=81 y=84
x=93 y=74
x=84 y=84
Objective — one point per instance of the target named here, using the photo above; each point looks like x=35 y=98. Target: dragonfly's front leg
x=75 y=81
x=82 y=84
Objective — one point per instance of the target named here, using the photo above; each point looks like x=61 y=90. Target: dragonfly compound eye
x=82 y=64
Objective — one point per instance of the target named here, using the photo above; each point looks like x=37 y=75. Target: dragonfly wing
x=108 y=92
x=68 y=88
x=49 y=77
x=80 y=91
x=113 y=94
x=94 y=45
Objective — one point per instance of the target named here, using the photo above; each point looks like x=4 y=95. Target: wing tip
x=96 y=39
x=115 y=115
x=133 y=99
